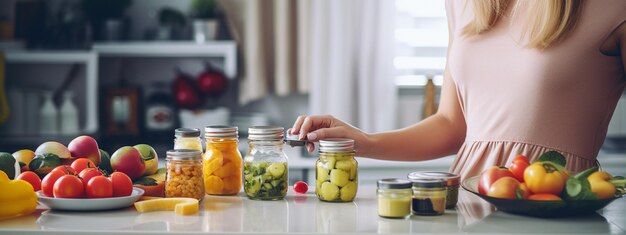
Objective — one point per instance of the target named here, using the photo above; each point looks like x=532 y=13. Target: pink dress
x=518 y=100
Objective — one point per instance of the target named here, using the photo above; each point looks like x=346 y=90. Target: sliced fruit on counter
x=24 y=157
x=42 y=164
x=9 y=165
x=153 y=185
x=17 y=197
x=181 y=206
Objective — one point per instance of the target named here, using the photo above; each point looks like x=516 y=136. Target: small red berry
x=300 y=187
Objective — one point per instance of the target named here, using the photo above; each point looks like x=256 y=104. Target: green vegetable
x=105 y=162
x=44 y=163
x=8 y=165
x=265 y=181
x=578 y=187
x=552 y=156
x=146 y=181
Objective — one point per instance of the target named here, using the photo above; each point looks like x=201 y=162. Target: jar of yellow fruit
x=187 y=138
x=336 y=171
x=222 y=161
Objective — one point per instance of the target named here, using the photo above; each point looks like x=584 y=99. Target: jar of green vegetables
x=265 y=165
x=336 y=171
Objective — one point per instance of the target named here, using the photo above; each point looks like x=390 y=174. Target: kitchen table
x=305 y=214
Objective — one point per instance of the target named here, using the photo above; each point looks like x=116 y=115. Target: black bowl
x=538 y=208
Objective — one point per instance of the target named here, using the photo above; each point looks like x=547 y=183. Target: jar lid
x=266 y=133
x=187 y=132
x=428 y=183
x=221 y=132
x=183 y=154
x=449 y=178
x=394 y=184
x=337 y=145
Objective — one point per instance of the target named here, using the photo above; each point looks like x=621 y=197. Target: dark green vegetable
x=7 y=164
x=552 y=156
x=578 y=187
x=43 y=164
x=105 y=162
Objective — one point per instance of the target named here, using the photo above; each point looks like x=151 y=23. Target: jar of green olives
x=265 y=165
x=336 y=171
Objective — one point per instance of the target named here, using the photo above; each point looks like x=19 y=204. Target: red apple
x=85 y=147
x=212 y=82
x=128 y=160
x=55 y=148
x=185 y=92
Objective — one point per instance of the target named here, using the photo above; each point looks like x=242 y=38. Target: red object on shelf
x=212 y=82
x=185 y=92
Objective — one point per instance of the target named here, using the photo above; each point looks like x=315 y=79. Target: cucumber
x=262 y=180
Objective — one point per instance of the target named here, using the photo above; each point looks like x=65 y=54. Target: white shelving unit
x=88 y=58
x=223 y=49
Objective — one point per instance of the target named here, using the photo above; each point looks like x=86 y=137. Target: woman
x=522 y=77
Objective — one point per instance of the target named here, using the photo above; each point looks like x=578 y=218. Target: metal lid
x=337 y=145
x=221 y=132
x=183 y=154
x=187 y=132
x=428 y=183
x=266 y=133
x=448 y=178
x=394 y=184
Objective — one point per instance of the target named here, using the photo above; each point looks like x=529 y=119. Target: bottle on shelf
x=430 y=107
x=69 y=115
x=48 y=116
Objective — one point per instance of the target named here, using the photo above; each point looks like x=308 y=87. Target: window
x=421 y=37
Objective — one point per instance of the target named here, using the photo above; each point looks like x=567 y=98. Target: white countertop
x=305 y=214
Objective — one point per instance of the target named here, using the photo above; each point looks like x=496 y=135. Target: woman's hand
x=317 y=127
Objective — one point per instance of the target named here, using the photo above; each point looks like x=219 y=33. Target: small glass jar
x=336 y=171
x=265 y=169
x=184 y=174
x=187 y=138
x=394 y=198
x=222 y=161
x=452 y=182
x=429 y=197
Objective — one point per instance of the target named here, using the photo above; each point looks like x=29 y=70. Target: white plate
x=90 y=204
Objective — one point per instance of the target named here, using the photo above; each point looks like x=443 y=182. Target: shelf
x=225 y=49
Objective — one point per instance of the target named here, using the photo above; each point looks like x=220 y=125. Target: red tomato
x=544 y=197
x=518 y=165
x=82 y=163
x=65 y=169
x=490 y=176
x=122 y=185
x=47 y=184
x=86 y=174
x=31 y=178
x=505 y=187
x=300 y=187
x=99 y=187
x=68 y=186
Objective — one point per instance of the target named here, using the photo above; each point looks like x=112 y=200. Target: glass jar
x=429 y=197
x=187 y=138
x=394 y=198
x=336 y=171
x=183 y=177
x=452 y=182
x=265 y=170
x=222 y=161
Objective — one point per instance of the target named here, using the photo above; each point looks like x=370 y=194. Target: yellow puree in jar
x=188 y=143
x=394 y=206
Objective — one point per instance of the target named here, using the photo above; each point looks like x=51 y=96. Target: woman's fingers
x=326 y=133
x=312 y=123
x=310 y=147
x=296 y=125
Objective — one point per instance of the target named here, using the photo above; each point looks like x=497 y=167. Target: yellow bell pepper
x=17 y=197
x=601 y=186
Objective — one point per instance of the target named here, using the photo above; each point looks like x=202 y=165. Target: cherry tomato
x=505 y=187
x=82 y=163
x=68 y=186
x=47 y=184
x=122 y=185
x=490 y=176
x=99 y=187
x=518 y=165
x=31 y=178
x=86 y=174
x=300 y=187
x=544 y=197
x=65 y=169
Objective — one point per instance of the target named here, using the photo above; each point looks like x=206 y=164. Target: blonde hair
x=552 y=21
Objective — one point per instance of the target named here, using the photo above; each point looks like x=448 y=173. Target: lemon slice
x=181 y=206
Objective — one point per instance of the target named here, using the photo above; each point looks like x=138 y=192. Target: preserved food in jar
x=184 y=174
x=187 y=138
x=222 y=161
x=265 y=165
x=394 y=198
x=336 y=171
x=429 y=197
